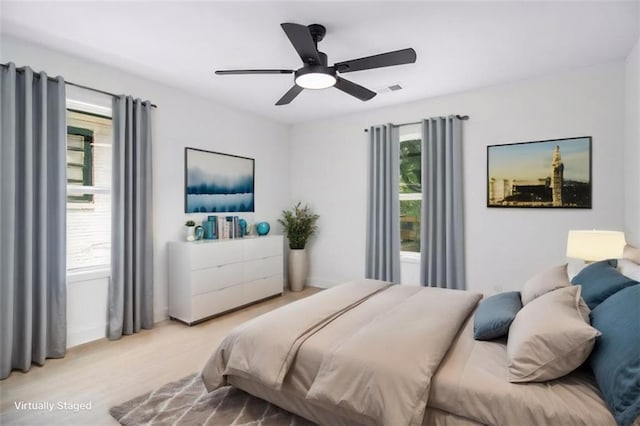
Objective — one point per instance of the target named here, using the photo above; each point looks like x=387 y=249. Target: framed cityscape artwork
x=542 y=174
x=217 y=183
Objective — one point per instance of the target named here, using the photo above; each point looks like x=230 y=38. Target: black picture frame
x=215 y=182
x=517 y=178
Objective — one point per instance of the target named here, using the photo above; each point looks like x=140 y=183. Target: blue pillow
x=615 y=359
x=495 y=314
x=600 y=280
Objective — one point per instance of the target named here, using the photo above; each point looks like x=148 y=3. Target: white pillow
x=549 y=337
x=574 y=266
x=629 y=268
x=632 y=253
x=544 y=282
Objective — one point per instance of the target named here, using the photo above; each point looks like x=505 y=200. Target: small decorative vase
x=199 y=232
x=208 y=226
x=263 y=228
x=191 y=233
x=243 y=227
x=298 y=269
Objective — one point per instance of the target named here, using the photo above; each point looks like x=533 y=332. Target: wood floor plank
x=106 y=373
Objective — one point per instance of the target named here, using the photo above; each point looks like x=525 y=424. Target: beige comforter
x=381 y=368
x=263 y=349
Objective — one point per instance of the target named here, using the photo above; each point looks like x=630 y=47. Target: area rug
x=186 y=402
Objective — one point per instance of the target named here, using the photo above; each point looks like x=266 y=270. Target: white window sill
x=87 y=274
x=409 y=257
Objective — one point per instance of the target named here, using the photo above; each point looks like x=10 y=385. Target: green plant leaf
x=299 y=225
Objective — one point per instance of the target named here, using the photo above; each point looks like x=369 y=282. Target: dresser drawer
x=263 y=268
x=210 y=279
x=266 y=287
x=214 y=302
x=209 y=254
x=259 y=247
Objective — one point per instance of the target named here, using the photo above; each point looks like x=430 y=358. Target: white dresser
x=207 y=278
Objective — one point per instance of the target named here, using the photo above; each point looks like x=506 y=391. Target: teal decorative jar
x=209 y=229
x=262 y=228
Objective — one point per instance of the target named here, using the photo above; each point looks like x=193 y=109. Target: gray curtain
x=442 y=222
x=33 y=182
x=383 y=206
x=131 y=282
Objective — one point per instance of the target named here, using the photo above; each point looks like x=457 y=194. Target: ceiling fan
x=316 y=74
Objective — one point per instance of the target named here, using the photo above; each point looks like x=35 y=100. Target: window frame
x=86 y=189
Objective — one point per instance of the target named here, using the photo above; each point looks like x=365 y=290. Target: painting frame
x=541 y=191
x=217 y=176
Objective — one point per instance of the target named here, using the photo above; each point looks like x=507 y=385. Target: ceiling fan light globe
x=315 y=77
x=316 y=80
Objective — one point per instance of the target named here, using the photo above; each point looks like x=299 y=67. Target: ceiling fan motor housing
x=317 y=32
x=318 y=75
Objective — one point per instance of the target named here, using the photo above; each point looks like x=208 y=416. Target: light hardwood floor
x=107 y=373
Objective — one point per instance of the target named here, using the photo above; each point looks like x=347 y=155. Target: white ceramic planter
x=190 y=233
x=298 y=269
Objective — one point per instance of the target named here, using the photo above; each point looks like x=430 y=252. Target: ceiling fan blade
x=238 y=72
x=290 y=95
x=300 y=37
x=398 y=57
x=354 y=89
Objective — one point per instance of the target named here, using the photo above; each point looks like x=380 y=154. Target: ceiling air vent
x=390 y=88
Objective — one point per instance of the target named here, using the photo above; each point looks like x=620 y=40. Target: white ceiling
x=460 y=45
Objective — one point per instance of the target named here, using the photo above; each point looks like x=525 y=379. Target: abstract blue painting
x=218 y=183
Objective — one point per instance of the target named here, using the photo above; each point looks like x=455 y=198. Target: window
x=88 y=190
x=410 y=188
x=79 y=161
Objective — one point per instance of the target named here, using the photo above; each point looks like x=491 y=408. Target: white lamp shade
x=593 y=246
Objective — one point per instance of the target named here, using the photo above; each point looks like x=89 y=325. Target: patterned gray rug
x=186 y=402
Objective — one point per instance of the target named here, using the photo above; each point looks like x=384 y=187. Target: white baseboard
x=321 y=283
x=84 y=335
x=79 y=336
x=161 y=314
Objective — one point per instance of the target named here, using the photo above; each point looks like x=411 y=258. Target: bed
x=368 y=352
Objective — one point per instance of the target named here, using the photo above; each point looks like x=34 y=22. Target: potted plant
x=299 y=224
x=191 y=235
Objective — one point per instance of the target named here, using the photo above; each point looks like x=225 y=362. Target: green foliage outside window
x=410 y=167
x=410 y=183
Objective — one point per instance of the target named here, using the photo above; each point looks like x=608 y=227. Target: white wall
x=182 y=119
x=324 y=163
x=503 y=246
x=632 y=147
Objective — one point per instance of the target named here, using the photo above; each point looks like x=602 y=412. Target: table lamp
x=592 y=246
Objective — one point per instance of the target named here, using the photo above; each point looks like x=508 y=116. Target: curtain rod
x=459 y=117
x=104 y=92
